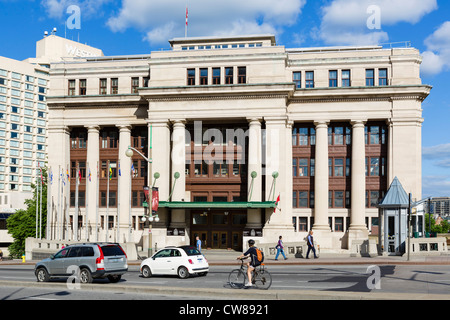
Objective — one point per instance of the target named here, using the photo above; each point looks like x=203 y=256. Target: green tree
x=22 y=224
x=443 y=227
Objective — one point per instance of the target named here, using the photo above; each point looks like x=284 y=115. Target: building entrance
x=218 y=229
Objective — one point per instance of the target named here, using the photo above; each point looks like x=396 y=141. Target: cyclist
x=253 y=260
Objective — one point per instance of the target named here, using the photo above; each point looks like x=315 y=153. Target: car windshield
x=191 y=251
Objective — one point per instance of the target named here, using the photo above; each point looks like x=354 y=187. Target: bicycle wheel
x=262 y=279
x=237 y=278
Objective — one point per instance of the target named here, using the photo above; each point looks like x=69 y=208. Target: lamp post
x=129 y=153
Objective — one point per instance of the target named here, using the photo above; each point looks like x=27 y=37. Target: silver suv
x=88 y=261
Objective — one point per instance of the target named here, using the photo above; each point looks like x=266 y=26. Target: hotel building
x=23 y=121
x=248 y=139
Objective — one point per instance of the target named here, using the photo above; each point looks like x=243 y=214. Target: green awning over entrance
x=216 y=205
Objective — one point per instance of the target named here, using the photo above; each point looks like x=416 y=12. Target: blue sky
x=121 y=27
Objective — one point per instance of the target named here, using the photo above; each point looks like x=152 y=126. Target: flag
x=132 y=170
x=79 y=174
x=110 y=173
x=68 y=176
x=90 y=175
x=120 y=174
x=276 y=204
x=186 y=27
x=51 y=176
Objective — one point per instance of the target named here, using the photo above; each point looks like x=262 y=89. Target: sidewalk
x=228 y=258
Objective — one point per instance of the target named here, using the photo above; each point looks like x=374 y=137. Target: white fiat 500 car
x=182 y=261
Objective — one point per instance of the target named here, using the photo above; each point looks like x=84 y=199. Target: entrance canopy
x=216 y=205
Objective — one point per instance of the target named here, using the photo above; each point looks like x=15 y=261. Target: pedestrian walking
x=1 y=255
x=198 y=243
x=280 y=249
x=310 y=243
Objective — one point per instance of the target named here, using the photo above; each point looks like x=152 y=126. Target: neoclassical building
x=246 y=138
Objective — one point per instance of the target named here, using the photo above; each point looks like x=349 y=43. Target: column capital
x=321 y=123
x=254 y=120
x=180 y=123
x=158 y=122
x=124 y=127
x=359 y=122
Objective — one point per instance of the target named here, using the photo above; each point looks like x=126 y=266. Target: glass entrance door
x=219 y=239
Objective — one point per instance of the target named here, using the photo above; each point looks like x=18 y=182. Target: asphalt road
x=19 y=282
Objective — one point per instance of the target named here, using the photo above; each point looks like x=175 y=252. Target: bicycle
x=261 y=277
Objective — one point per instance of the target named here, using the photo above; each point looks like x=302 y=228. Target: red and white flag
x=186 y=27
x=276 y=204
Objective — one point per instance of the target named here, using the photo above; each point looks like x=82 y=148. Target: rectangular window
x=346 y=78
x=339 y=199
x=82 y=87
x=370 y=77
x=242 y=75
x=309 y=79
x=114 y=86
x=71 y=87
x=339 y=224
x=191 y=77
x=216 y=76
x=103 y=86
x=302 y=167
x=134 y=85
x=382 y=77
x=229 y=75
x=332 y=79
x=297 y=79
x=203 y=76
x=303 y=199
x=303 y=224
x=338 y=167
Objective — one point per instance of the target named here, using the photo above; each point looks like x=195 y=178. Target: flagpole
x=58 y=212
x=96 y=204
x=131 y=197
x=40 y=208
x=48 y=233
x=86 y=205
x=186 y=26
x=107 y=201
x=118 y=206
x=75 y=215
x=37 y=203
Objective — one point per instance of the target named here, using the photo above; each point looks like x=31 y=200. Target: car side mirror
x=52 y=257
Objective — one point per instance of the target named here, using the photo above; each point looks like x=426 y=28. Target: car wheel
x=42 y=275
x=85 y=276
x=146 y=272
x=183 y=272
x=114 y=278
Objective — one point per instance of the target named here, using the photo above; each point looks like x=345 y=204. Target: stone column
x=93 y=165
x=254 y=165
x=59 y=154
x=254 y=160
x=278 y=160
x=358 y=229
x=321 y=228
x=178 y=185
x=124 y=192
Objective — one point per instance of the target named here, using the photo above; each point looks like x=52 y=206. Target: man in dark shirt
x=253 y=260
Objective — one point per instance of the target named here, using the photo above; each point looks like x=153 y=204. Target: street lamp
x=129 y=153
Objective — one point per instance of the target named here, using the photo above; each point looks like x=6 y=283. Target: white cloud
x=161 y=20
x=57 y=8
x=437 y=57
x=360 y=22
x=436 y=152
x=436 y=186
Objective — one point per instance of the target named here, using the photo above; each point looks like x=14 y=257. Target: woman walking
x=280 y=249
